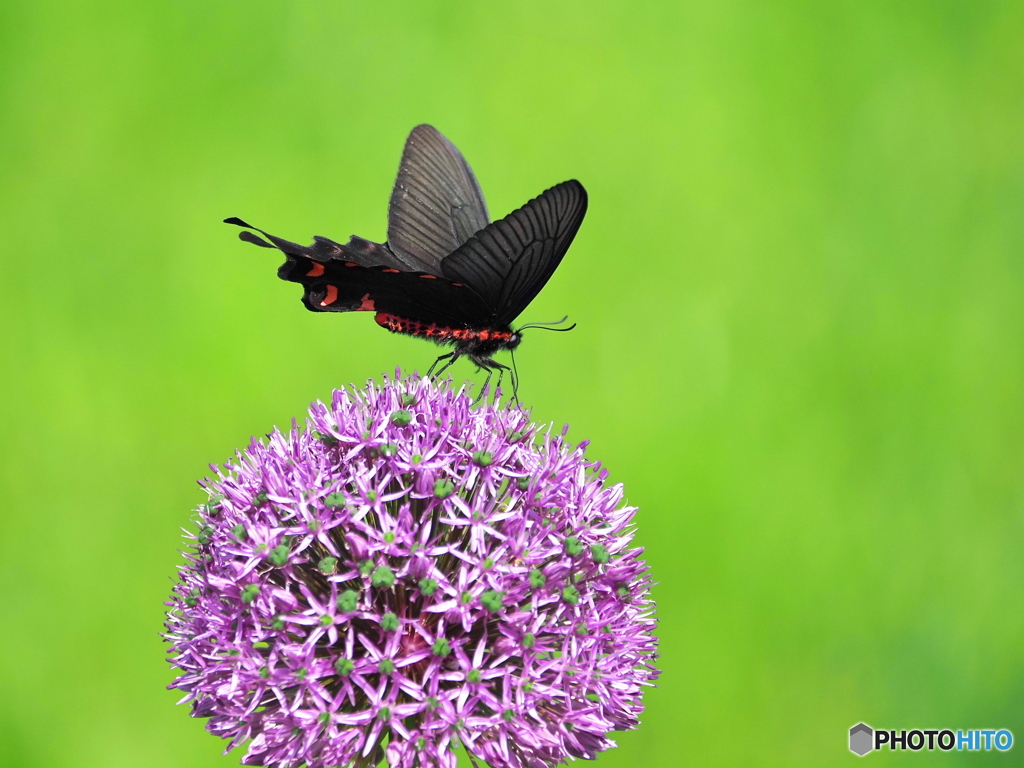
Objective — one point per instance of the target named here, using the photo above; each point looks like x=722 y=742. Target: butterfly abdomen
x=443 y=334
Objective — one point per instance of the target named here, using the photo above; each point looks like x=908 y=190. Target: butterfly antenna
x=549 y=326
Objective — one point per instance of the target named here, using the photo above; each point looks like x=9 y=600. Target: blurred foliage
x=800 y=297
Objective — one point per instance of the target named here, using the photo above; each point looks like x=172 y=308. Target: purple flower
x=408 y=575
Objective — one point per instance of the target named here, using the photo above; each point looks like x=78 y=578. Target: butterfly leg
x=451 y=357
x=483 y=389
x=515 y=386
x=491 y=366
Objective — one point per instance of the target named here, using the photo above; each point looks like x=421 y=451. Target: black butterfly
x=446 y=273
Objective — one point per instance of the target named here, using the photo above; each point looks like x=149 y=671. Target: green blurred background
x=800 y=297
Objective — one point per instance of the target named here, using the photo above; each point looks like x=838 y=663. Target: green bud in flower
x=279 y=555
x=348 y=600
x=401 y=418
x=382 y=577
x=492 y=600
x=572 y=546
x=441 y=648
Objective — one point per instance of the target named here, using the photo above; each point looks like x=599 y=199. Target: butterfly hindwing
x=347 y=287
x=436 y=204
x=364 y=252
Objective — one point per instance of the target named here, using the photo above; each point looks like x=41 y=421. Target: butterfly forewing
x=556 y=217
x=509 y=261
x=436 y=204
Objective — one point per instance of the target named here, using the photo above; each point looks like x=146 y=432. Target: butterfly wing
x=436 y=204
x=510 y=260
x=348 y=287
x=365 y=253
x=363 y=276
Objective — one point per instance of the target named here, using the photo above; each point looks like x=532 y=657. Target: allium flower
x=408 y=575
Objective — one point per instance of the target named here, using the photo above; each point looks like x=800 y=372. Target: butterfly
x=447 y=273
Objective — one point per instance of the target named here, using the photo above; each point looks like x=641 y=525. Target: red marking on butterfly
x=331 y=297
x=316 y=270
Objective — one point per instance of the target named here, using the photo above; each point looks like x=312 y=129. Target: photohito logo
x=864 y=739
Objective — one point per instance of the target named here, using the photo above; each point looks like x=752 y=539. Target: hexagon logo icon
x=861 y=739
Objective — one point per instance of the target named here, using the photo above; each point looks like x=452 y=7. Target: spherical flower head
x=407 y=575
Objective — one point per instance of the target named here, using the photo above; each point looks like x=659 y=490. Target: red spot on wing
x=366 y=304
x=331 y=297
x=351 y=264
x=429 y=277
x=391 y=271
x=316 y=270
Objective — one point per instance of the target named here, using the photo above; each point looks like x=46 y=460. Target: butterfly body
x=446 y=273
x=471 y=342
